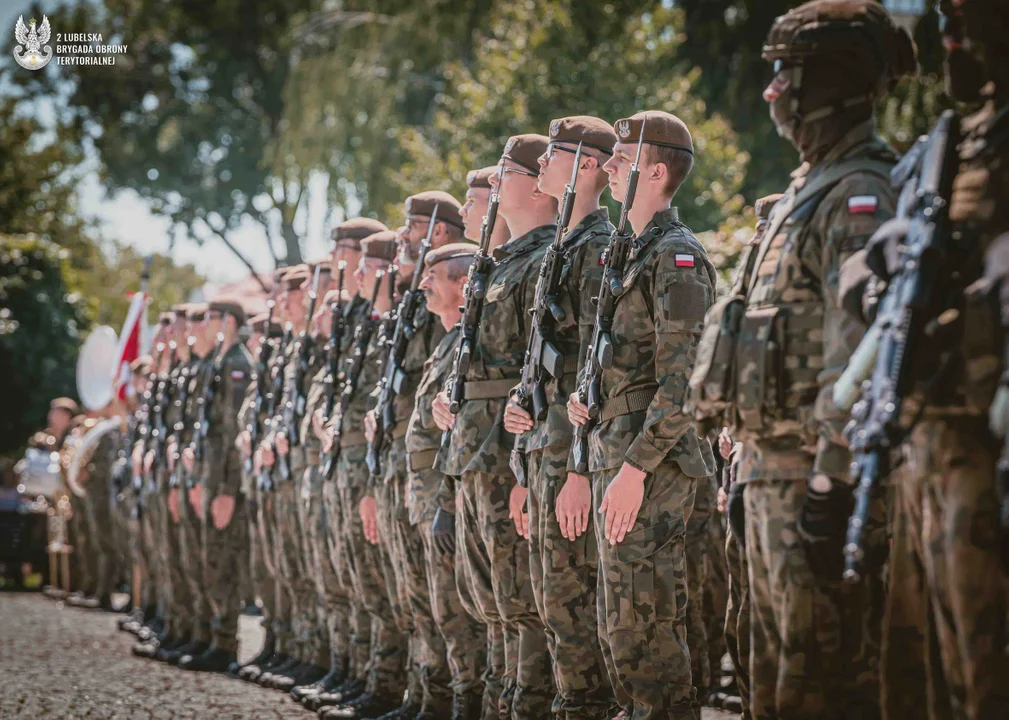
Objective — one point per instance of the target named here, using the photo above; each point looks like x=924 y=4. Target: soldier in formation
x=466 y=465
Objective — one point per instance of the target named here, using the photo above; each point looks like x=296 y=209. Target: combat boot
x=270 y=673
x=212 y=660
x=134 y=618
x=262 y=658
x=406 y=711
x=466 y=706
x=172 y=657
x=252 y=673
x=347 y=691
x=327 y=683
x=150 y=648
x=305 y=675
x=366 y=705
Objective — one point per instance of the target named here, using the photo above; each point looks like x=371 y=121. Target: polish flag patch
x=858 y=204
x=683 y=260
x=237 y=374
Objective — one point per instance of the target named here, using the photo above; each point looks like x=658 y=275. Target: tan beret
x=381 y=245
x=481 y=178
x=258 y=325
x=196 y=311
x=450 y=252
x=142 y=365
x=525 y=150
x=764 y=205
x=661 y=128
x=230 y=305
x=297 y=276
x=64 y=403
x=591 y=132
x=180 y=308
x=325 y=267
x=422 y=205
x=356 y=230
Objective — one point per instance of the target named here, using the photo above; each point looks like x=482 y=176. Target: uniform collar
x=525 y=243
x=596 y=217
x=858 y=135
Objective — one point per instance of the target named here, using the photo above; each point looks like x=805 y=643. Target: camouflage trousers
x=269 y=540
x=716 y=594
x=642 y=598
x=946 y=621
x=260 y=579
x=527 y=656
x=476 y=591
x=463 y=637
x=309 y=514
x=737 y=618
x=224 y=549
x=698 y=547
x=814 y=648
x=152 y=525
x=366 y=569
x=191 y=553
x=84 y=558
x=565 y=577
x=183 y=619
x=108 y=563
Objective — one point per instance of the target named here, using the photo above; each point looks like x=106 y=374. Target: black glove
x=443 y=529
x=823 y=524
x=735 y=510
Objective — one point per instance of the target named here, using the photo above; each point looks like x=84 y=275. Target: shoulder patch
x=237 y=374
x=683 y=260
x=859 y=204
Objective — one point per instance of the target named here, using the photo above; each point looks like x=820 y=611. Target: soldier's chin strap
x=798 y=117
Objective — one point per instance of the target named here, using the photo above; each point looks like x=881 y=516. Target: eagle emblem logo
x=32 y=52
x=555 y=127
x=509 y=145
x=624 y=128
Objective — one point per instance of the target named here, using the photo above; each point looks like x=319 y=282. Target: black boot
x=305 y=675
x=466 y=706
x=212 y=660
x=347 y=691
x=172 y=657
x=327 y=683
x=277 y=670
x=367 y=705
x=252 y=673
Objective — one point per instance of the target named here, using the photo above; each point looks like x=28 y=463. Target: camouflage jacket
x=98 y=478
x=231 y=375
x=291 y=387
x=424 y=437
x=668 y=286
x=795 y=339
x=583 y=249
x=478 y=441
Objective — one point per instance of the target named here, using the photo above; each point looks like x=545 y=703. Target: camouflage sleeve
x=680 y=298
x=445 y=497
x=225 y=463
x=845 y=221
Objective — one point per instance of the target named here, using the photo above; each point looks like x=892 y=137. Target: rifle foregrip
x=854 y=552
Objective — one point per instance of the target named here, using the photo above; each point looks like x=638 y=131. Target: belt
x=626 y=404
x=352 y=438
x=488 y=389
x=421 y=460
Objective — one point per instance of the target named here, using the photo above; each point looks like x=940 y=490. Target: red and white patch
x=858 y=204
x=237 y=374
x=683 y=260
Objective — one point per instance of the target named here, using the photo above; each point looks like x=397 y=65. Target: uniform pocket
x=758 y=369
x=712 y=380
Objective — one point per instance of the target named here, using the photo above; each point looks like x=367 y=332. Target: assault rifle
x=393 y=380
x=362 y=336
x=337 y=329
x=473 y=297
x=908 y=324
x=202 y=426
x=600 y=352
x=294 y=408
x=184 y=379
x=262 y=367
x=159 y=431
x=541 y=353
x=265 y=480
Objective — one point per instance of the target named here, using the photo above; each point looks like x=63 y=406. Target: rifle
x=394 y=378
x=906 y=325
x=265 y=480
x=541 y=353
x=180 y=426
x=600 y=352
x=262 y=368
x=294 y=408
x=362 y=337
x=159 y=432
x=202 y=425
x=473 y=298
x=337 y=329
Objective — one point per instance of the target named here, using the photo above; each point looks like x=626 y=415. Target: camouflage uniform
x=699 y=556
x=224 y=548
x=814 y=646
x=108 y=565
x=716 y=594
x=478 y=452
x=668 y=286
x=564 y=572
x=463 y=638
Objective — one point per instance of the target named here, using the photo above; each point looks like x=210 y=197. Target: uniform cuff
x=832 y=460
x=643 y=455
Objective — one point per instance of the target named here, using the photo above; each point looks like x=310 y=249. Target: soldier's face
x=254 y=343
x=294 y=304
x=778 y=96
x=58 y=420
x=618 y=166
x=367 y=273
x=555 y=168
x=517 y=186
x=443 y=295
x=473 y=212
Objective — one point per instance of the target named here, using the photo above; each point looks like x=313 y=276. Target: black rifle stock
x=265 y=480
x=262 y=366
x=337 y=330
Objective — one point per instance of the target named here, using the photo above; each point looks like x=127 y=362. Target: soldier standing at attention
x=479 y=447
x=222 y=522
x=644 y=454
x=564 y=559
x=814 y=643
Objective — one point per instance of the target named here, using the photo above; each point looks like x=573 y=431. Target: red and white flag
x=129 y=343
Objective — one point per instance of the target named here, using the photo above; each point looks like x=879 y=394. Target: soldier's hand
x=173 y=504
x=578 y=413
x=517 y=509
x=222 y=509
x=574 y=503
x=369 y=518
x=326 y=438
x=823 y=524
x=137 y=456
x=188 y=459
x=319 y=425
x=516 y=419
x=443 y=532
x=244 y=443
x=196 y=499
x=443 y=417
x=171 y=452
x=369 y=425
x=736 y=511
x=266 y=456
x=724 y=443
x=148 y=461
x=622 y=501
x=283 y=444
x=720 y=497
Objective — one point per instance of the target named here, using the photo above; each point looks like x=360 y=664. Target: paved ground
x=62 y=662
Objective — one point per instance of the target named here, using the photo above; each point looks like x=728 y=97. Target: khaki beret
x=297 y=276
x=450 y=252
x=525 y=150
x=481 y=178
x=142 y=365
x=356 y=230
x=325 y=267
x=585 y=129
x=179 y=308
x=661 y=128
x=422 y=205
x=196 y=311
x=230 y=305
x=764 y=205
x=64 y=403
x=166 y=318
x=258 y=325
x=381 y=245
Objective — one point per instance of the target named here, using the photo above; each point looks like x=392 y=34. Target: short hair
x=457 y=267
x=678 y=165
x=454 y=233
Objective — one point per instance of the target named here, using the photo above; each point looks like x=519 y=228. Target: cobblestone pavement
x=62 y=662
